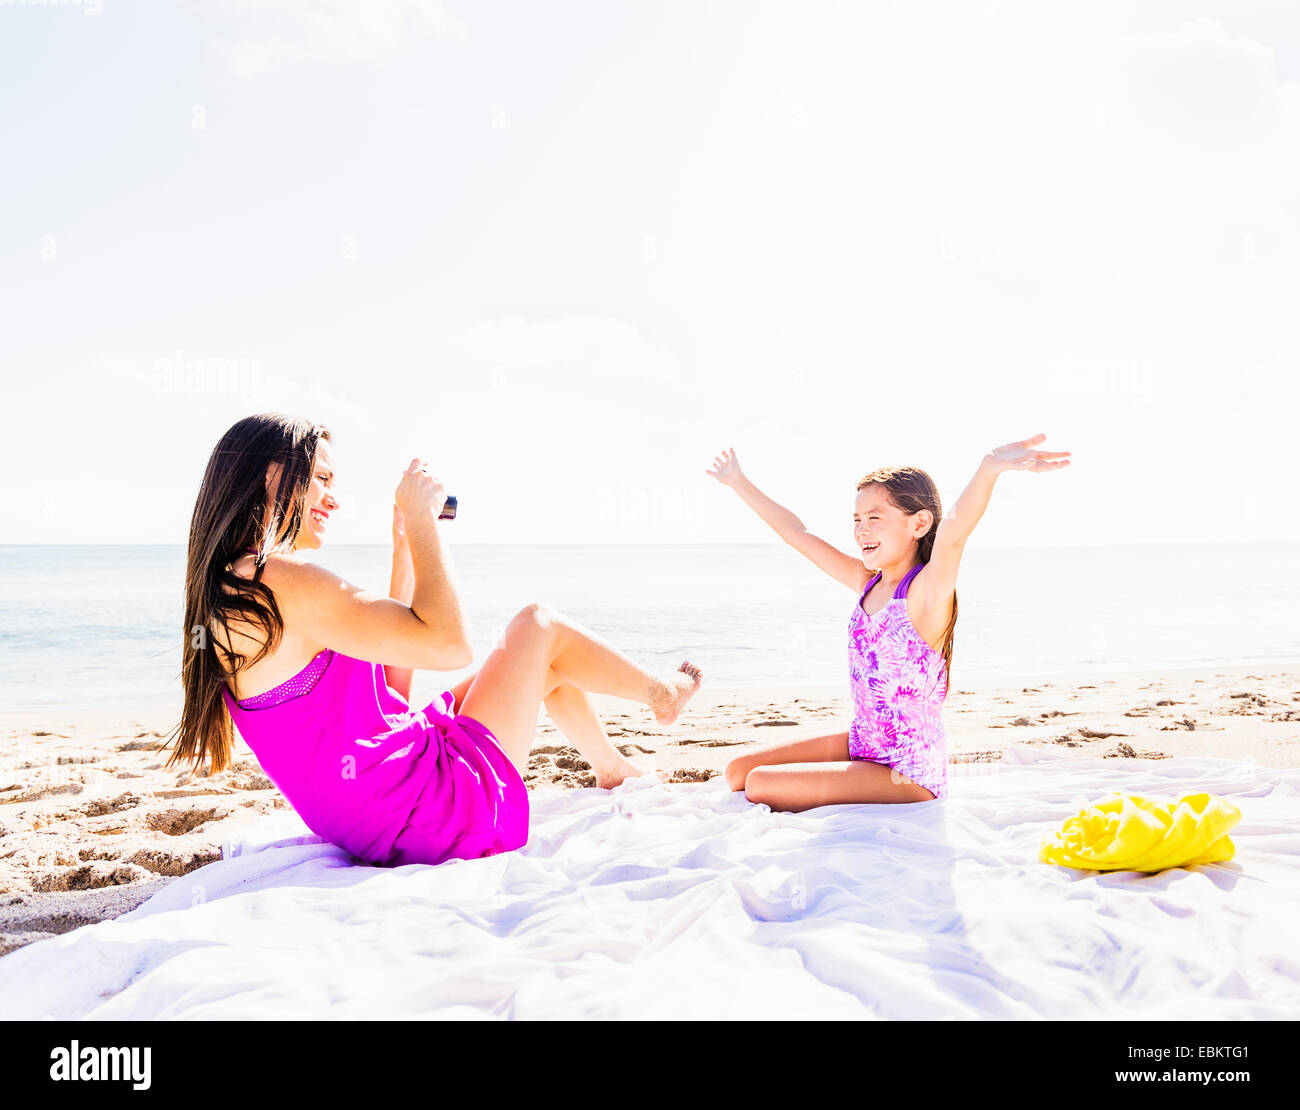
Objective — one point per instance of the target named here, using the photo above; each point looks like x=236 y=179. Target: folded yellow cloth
x=1127 y=832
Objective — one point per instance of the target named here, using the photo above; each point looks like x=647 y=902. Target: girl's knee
x=739 y=771
x=756 y=783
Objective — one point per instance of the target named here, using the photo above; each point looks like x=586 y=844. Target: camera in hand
x=449 y=509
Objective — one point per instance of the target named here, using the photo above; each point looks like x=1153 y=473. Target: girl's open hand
x=1021 y=455
x=726 y=468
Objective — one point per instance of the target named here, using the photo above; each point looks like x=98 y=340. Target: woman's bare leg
x=509 y=688
x=576 y=717
x=819 y=749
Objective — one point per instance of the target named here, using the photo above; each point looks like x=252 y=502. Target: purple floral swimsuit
x=899 y=684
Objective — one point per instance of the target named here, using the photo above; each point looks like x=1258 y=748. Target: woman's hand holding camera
x=419 y=494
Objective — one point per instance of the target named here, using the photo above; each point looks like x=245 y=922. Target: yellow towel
x=1127 y=832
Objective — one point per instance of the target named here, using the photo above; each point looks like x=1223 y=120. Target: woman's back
x=288 y=657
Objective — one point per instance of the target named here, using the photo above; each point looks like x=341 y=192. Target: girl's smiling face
x=886 y=535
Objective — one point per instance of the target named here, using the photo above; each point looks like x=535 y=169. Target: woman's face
x=320 y=500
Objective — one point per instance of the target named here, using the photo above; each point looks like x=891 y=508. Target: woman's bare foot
x=669 y=697
x=609 y=777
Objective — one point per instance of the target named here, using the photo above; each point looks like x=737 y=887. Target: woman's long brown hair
x=231 y=515
x=912 y=489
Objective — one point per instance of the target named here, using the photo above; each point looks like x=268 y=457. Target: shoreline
x=156 y=715
x=92 y=823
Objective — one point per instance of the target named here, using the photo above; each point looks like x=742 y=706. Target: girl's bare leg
x=793 y=787
x=819 y=749
x=804 y=774
x=538 y=645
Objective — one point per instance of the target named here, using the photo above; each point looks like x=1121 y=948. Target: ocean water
x=100 y=626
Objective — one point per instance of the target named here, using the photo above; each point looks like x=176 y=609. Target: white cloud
x=591 y=345
x=1206 y=85
x=269 y=34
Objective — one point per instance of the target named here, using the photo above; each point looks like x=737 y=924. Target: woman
x=316 y=673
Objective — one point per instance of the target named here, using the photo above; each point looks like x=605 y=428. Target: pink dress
x=899 y=684
x=390 y=784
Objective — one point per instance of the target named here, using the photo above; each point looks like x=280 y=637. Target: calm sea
x=101 y=626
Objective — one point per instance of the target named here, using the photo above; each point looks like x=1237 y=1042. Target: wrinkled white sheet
x=689 y=902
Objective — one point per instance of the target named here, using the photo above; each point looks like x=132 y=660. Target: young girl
x=315 y=673
x=900 y=634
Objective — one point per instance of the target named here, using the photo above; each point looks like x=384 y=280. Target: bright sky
x=567 y=251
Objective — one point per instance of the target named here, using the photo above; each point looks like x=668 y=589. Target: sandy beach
x=92 y=824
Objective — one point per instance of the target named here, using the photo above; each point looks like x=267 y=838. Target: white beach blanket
x=689 y=902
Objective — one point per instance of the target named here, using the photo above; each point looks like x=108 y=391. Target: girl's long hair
x=912 y=489
x=230 y=516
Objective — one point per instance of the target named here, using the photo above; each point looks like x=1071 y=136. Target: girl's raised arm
x=936 y=585
x=843 y=567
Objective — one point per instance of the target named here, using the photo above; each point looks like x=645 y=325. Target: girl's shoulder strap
x=907 y=580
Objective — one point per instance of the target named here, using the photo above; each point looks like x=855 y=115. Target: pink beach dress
x=388 y=783
x=899 y=684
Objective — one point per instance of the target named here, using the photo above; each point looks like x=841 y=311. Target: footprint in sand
x=90 y=876
x=1077 y=736
x=251 y=780
x=100 y=807
x=140 y=746
x=693 y=774
x=1147 y=710
x=1126 y=751
x=1248 y=704
x=178 y=822
x=167 y=861
x=36 y=794
x=707 y=743
x=559 y=765
x=572 y=763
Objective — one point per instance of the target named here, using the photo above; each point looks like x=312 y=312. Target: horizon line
x=711 y=543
